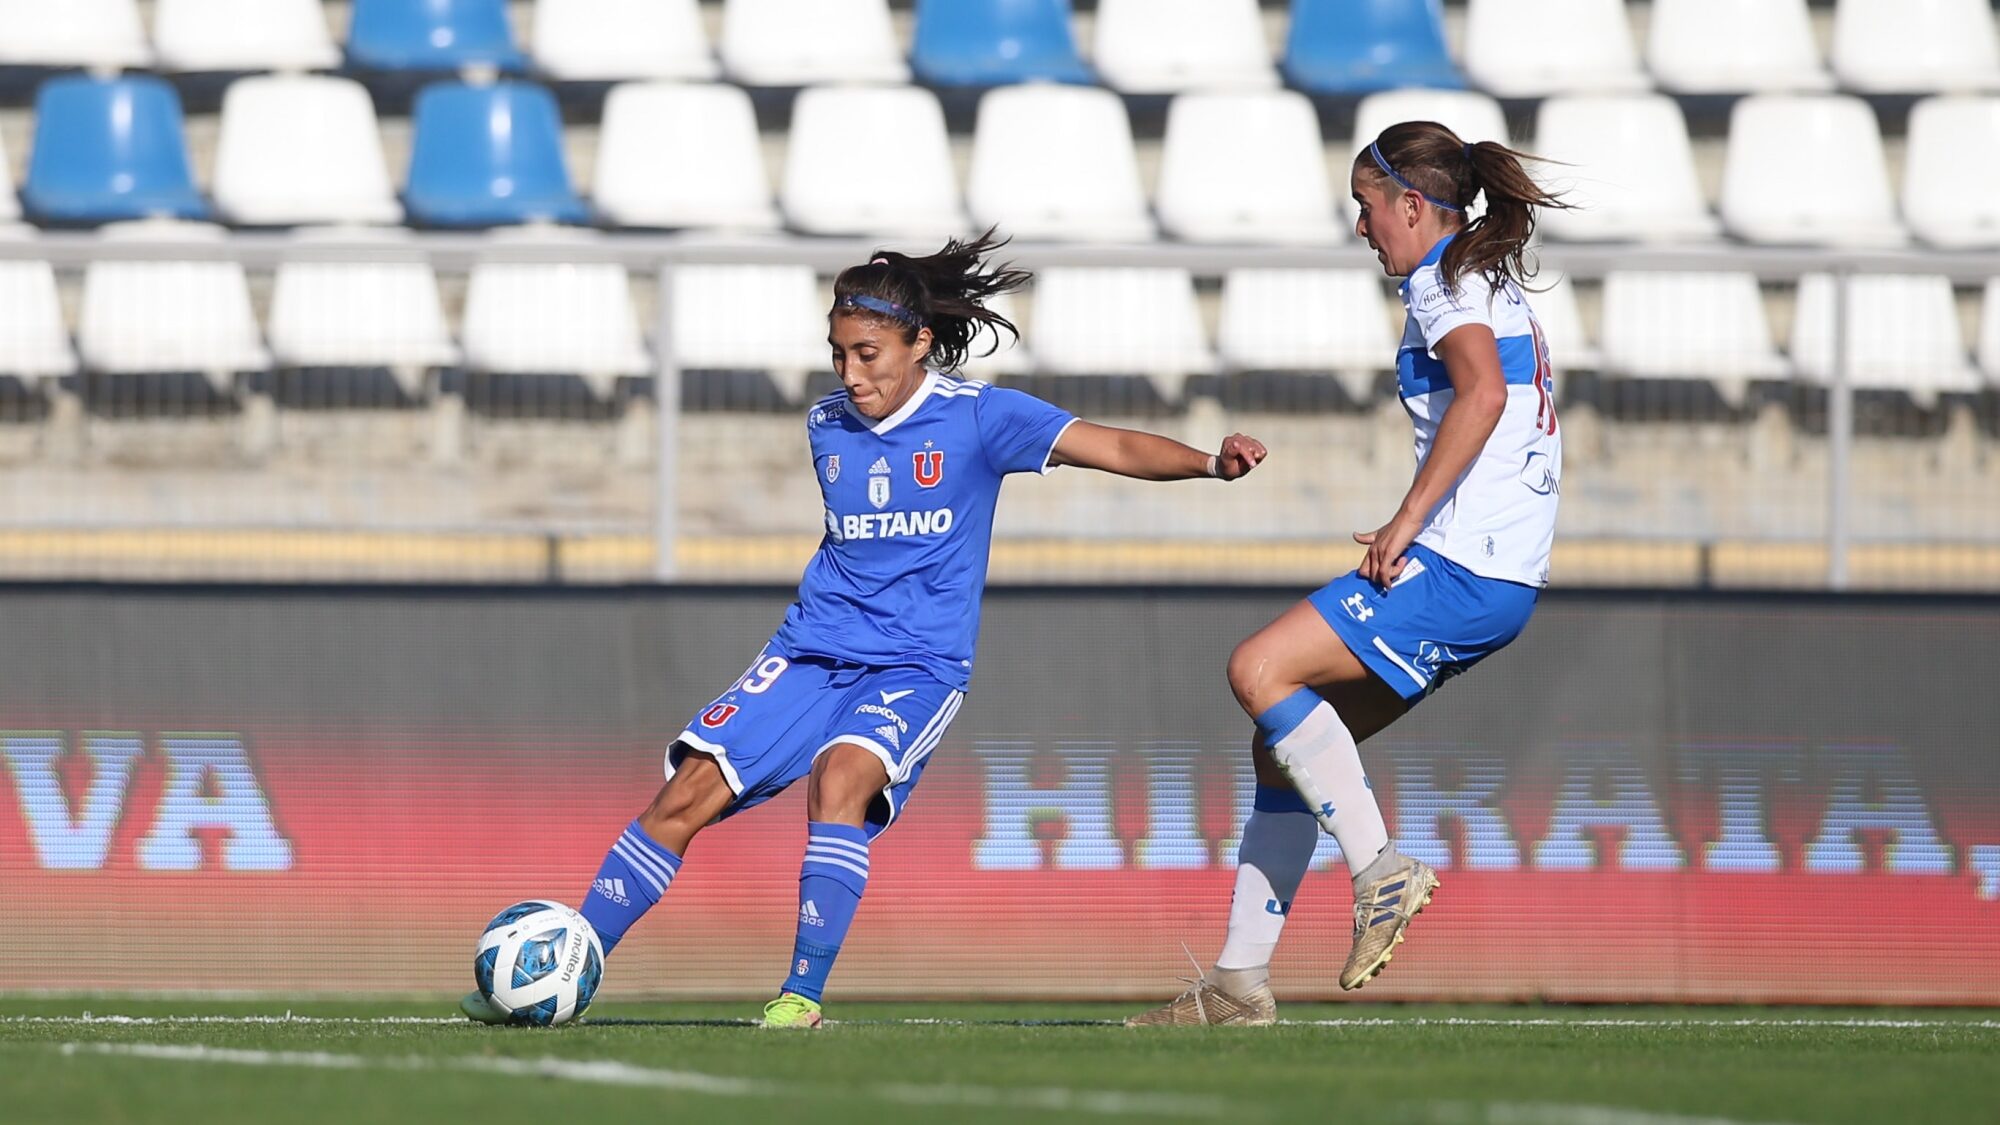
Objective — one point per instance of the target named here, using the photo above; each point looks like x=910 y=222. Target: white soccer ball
x=540 y=962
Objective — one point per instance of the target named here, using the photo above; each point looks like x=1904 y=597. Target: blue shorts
x=1438 y=620
x=772 y=724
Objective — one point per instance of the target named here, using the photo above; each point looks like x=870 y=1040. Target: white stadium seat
x=1165 y=46
x=673 y=155
x=10 y=203
x=1316 y=320
x=1554 y=302
x=141 y=317
x=1057 y=162
x=1989 y=332
x=1902 y=334
x=233 y=35
x=538 y=318
x=1245 y=167
x=91 y=33
x=1117 y=321
x=1907 y=46
x=830 y=188
x=34 y=344
x=803 y=42
x=749 y=318
x=360 y=314
x=610 y=40
x=1532 y=48
x=1807 y=170
x=1626 y=163
x=1734 y=46
x=1951 y=172
x=270 y=171
x=1011 y=357
x=1695 y=325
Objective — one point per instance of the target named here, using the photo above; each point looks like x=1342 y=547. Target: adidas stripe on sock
x=831 y=881
x=635 y=874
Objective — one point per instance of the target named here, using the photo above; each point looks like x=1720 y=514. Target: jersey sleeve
x=1438 y=310
x=1018 y=430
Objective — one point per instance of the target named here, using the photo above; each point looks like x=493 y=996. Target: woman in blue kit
x=863 y=678
x=1448 y=581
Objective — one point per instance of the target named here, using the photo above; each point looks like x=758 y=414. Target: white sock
x=1278 y=842
x=1320 y=757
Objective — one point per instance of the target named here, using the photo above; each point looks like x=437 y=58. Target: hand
x=1239 y=455
x=1383 y=563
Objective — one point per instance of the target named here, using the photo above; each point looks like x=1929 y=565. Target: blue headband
x=889 y=309
x=1382 y=162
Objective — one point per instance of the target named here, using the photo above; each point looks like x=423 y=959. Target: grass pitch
x=218 y=1062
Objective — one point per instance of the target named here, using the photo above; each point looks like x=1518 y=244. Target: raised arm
x=1144 y=456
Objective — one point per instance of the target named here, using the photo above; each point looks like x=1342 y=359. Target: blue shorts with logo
x=775 y=721
x=1438 y=620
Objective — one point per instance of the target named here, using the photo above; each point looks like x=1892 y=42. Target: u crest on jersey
x=929 y=466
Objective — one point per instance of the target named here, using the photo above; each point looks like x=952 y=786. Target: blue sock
x=831 y=880
x=636 y=872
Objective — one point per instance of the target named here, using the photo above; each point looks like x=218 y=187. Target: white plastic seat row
x=764 y=42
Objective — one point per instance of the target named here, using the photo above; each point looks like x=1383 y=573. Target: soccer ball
x=540 y=962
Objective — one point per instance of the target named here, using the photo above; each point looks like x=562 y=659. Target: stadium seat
x=242 y=35
x=360 y=314
x=995 y=43
x=92 y=33
x=541 y=318
x=825 y=191
x=1554 y=302
x=1647 y=316
x=1768 y=47
x=1056 y=162
x=647 y=177
x=1245 y=167
x=1011 y=356
x=1165 y=46
x=1627 y=165
x=488 y=155
x=1120 y=321
x=268 y=171
x=1361 y=46
x=1534 y=48
x=1807 y=170
x=802 y=42
x=1951 y=172
x=34 y=344
x=611 y=40
x=1989 y=332
x=1910 y=46
x=109 y=148
x=1902 y=334
x=10 y=204
x=1473 y=116
x=1316 y=320
x=749 y=318
x=144 y=317
x=431 y=35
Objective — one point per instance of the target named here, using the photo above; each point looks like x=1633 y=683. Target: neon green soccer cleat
x=792 y=1010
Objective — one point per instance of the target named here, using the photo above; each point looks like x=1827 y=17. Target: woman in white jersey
x=1450 y=579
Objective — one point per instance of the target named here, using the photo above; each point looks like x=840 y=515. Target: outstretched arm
x=1132 y=453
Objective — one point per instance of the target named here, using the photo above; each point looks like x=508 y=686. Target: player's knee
x=694 y=796
x=1249 y=672
x=844 y=781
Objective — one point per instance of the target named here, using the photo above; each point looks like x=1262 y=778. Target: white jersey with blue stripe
x=909 y=522
x=1499 y=520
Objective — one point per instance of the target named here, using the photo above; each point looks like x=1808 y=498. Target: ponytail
x=1426 y=157
x=945 y=292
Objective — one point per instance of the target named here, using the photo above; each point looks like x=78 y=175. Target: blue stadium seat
x=488 y=155
x=431 y=35
x=996 y=43
x=108 y=149
x=1360 y=46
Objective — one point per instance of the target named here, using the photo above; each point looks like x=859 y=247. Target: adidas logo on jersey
x=809 y=916
x=880 y=467
x=613 y=889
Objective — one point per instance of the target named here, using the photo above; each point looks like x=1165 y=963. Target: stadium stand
x=1057 y=162
x=802 y=42
x=1010 y=355
x=34 y=344
x=1910 y=46
x=615 y=40
x=271 y=172
x=431 y=35
x=1274 y=320
x=531 y=318
x=750 y=318
x=1137 y=321
x=198 y=36
x=1363 y=46
x=90 y=33
x=1630 y=174
x=1989 y=333
x=487 y=156
x=1769 y=47
x=1534 y=48
x=109 y=149
x=821 y=193
x=1166 y=46
x=1245 y=167
x=153 y=317
x=996 y=42
x=1902 y=334
x=1951 y=172
x=361 y=315
x=644 y=178
x=1645 y=334
x=1555 y=306
x=1807 y=170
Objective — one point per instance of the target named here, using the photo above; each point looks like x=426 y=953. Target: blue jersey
x=909 y=523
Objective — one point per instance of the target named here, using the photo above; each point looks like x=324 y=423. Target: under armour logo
x=1325 y=809
x=1273 y=906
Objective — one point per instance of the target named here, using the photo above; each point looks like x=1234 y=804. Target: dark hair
x=1432 y=160
x=944 y=292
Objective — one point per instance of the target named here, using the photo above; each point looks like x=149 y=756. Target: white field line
x=88 y=1020
x=1555 y=1113
x=611 y=1073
